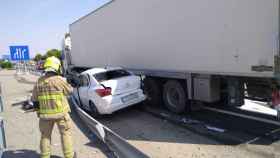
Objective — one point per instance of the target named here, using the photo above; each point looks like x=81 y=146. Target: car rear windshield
x=109 y=75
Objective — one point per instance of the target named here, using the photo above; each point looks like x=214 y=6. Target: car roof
x=94 y=71
x=99 y=70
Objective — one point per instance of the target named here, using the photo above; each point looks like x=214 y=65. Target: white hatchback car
x=106 y=90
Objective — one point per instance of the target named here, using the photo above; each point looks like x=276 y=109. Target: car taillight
x=103 y=92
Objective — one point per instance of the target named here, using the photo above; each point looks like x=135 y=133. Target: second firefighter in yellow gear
x=50 y=94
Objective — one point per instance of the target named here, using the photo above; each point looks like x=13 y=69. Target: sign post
x=20 y=53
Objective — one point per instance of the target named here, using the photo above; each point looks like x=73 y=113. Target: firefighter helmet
x=52 y=64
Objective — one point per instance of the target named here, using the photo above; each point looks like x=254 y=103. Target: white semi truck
x=210 y=51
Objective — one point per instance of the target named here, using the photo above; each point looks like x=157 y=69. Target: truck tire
x=93 y=110
x=152 y=90
x=174 y=96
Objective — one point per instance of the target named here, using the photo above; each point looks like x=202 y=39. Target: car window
x=84 y=81
x=109 y=75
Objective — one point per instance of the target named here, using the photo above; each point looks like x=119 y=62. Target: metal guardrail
x=2 y=131
x=1 y=100
x=1 y=104
x=2 y=137
x=27 y=68
x=115 y=142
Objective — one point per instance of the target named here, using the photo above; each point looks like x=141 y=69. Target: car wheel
x=174 y=96
x=93 y=110
x=152 y=90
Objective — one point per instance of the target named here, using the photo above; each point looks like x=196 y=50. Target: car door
x=83 y=90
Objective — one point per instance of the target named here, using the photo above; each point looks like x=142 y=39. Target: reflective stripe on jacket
x=51 y=92
x=51 y=103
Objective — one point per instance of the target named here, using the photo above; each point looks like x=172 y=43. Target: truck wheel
x=93 y=110
x=174 y=96
x=152 y=90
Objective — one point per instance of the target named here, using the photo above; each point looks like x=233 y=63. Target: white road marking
x=243 y=116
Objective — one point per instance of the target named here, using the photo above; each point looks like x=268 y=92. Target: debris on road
x=190 y=121
x=164 y=115
x=215 y=129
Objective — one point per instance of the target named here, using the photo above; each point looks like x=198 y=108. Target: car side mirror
x=77 y=83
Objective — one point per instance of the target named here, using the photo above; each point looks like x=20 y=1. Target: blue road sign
x=19 y=53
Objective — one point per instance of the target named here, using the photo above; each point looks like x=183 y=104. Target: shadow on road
x=23 y=154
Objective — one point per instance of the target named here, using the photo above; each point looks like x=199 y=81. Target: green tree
x=44 y=57
x=38 y=57
x=54 y=52
x=6 y=65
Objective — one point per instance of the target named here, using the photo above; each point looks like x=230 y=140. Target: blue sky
x=40 y=24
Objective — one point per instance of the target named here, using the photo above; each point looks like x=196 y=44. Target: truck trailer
x=208 y=51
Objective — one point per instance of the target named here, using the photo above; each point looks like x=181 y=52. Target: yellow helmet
x=52 y=64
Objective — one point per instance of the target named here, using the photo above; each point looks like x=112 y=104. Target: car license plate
x=129 y=97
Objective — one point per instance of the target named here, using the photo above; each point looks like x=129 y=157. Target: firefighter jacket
x=51 y=93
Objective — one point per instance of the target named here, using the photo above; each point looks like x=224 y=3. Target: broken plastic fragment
x=190 y=121
x=216 y=129
x=164 y=114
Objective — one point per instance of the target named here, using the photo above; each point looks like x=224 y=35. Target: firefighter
x=50 y=102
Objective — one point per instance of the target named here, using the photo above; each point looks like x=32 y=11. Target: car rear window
x=109 y=75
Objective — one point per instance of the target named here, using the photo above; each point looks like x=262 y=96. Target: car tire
x=174 y=96
x=152 y=91
x=93 y=110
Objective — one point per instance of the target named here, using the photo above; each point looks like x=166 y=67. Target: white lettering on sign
x=19 y=53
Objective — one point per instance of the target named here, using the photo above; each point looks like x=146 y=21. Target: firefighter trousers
x=64 y=126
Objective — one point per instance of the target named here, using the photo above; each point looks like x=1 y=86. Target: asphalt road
x=159 y=137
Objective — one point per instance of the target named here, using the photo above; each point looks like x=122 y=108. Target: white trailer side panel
x=213 y=36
